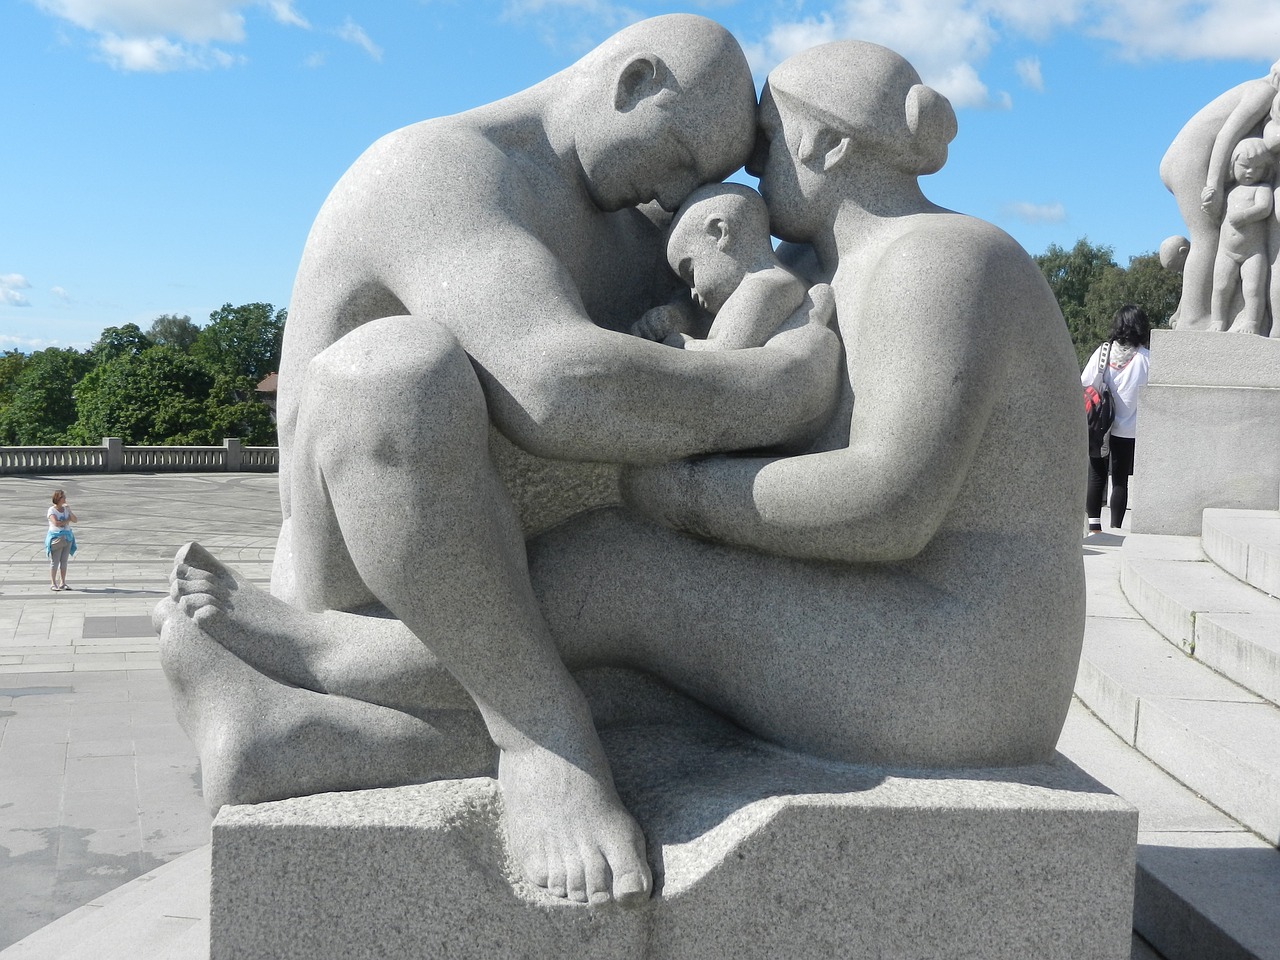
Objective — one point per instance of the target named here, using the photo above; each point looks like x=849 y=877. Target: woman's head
x=872 y=95
x=1131 y=327
x=58 y=496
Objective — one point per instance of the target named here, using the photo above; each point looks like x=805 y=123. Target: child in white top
x=59 y=541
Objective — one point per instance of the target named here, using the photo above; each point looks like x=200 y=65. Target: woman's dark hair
x=1131 y=327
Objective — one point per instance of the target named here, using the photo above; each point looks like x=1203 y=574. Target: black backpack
x=1099 y=408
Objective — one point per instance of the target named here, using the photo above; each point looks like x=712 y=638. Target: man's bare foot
x=367 y=658
x=568 y=829
x=260 y=740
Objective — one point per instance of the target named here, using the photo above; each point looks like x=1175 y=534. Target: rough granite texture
x=838 y=584
x=1210 y=434
x=758 y=853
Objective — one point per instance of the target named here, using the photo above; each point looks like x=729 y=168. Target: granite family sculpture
x=858 y=539
x=1231 y=264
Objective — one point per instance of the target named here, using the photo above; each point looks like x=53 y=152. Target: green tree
x=42 y=404
x=1145 y=283
x=170 y=330
x=159 y=395
x=234 y=410
x=119 y=340
x=242 y=341
x=1071 y=274
x=1091 y=287
x=11 y=364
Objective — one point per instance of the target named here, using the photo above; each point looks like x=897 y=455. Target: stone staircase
x=1181 y=664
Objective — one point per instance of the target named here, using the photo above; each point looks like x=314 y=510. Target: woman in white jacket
x=1127 y=367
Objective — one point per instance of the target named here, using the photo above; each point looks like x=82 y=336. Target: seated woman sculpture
x=908 y=591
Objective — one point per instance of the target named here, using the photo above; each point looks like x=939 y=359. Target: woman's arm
x=929 y=341
x=1254 y=105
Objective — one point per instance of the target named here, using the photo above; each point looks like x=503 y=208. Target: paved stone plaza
x=98 y=784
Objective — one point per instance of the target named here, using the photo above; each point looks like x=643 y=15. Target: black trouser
x=1121 y=466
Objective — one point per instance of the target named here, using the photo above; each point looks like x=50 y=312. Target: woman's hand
x=817 y=308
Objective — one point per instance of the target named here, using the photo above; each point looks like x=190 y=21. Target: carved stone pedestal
x=1208 y=430
x=758 y=853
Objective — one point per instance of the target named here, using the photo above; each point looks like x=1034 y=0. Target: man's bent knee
x=406 y=380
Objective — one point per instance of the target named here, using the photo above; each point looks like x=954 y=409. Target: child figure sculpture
x=1242 y=248
x=719 y=245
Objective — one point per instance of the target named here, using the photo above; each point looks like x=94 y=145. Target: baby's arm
x=754 y=311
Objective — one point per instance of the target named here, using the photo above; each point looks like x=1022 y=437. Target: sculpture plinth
x=758 y=853
x=1210 y=416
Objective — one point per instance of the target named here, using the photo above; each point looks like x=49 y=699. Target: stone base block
x=756 y=853
x=1208 y=430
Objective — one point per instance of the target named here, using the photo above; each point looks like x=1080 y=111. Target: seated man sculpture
x=908 y=590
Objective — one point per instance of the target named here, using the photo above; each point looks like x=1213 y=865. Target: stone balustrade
x=113 y=456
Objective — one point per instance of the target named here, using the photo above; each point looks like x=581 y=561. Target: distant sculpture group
x=1221 y=169
x=852 y=546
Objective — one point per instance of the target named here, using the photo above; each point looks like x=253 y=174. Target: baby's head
x=718 y=235
x=1251 y=161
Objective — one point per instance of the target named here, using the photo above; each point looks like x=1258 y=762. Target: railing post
x=115 y=454
x=234 y=454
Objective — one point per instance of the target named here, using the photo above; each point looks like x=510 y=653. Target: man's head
x=661 y=107
x=720 y=233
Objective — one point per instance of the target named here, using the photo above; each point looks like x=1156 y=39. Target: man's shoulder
x=435 y=152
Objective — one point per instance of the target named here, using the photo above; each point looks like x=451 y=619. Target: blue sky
x=168 y=156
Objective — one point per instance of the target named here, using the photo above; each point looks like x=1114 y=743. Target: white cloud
x=946 y=40
x=61 y=294
x=162 y=35
x=26 y=344
x=156 y=54
x=11 y=287
x=1036 y=212
x=197 y=21
x=315 y=60
x=1191 y=29
x=284 y=13
x=354 y=33
x=1028 y=69
x=950 y=41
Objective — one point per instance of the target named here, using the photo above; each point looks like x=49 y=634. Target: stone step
x=1196 y=604
x=162 y=915
x=1215 y=736
x=1204 y=886
x=1245 y=543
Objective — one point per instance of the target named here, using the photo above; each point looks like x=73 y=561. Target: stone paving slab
x=98 y=784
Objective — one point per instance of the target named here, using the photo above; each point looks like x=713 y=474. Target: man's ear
x=718 y=230
x=642 y=76
x=823 y=149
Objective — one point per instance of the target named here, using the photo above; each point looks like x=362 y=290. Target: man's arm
x=561 y=387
